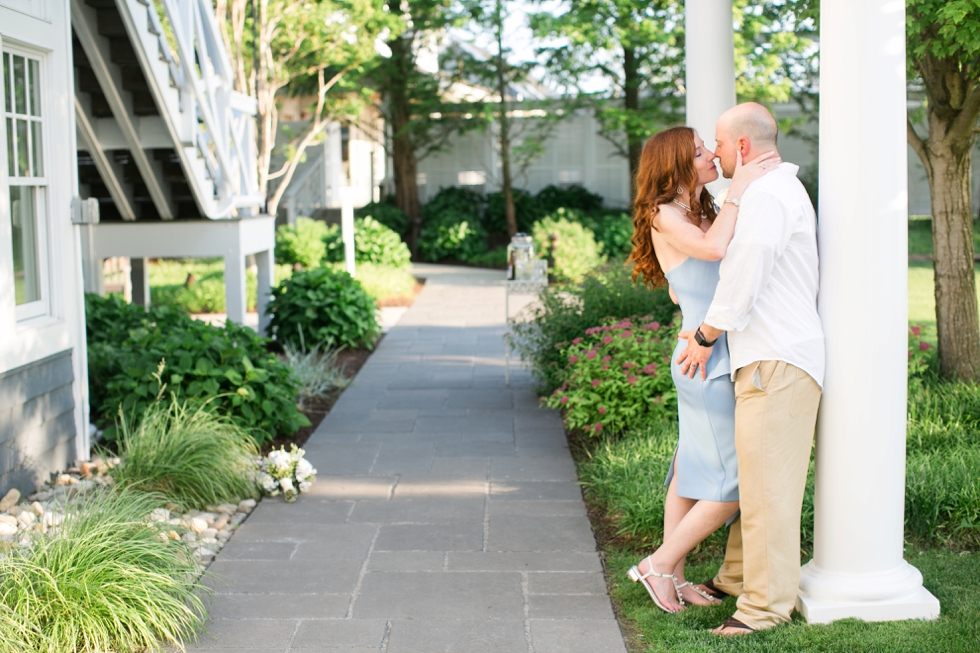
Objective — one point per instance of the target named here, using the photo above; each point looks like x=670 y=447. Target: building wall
x=37 y=422
x=43 y=367
x=577 y=154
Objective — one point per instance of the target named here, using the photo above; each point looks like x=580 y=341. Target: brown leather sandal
x=732 y=622
x=712 y=589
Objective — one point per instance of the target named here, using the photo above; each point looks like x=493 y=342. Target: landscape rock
x=9 y=500
x=197 y=524
x=7 y=529
x=220 y=522
x=208 y=533
x=227 y=509
x=37 y=508
x=247 y=505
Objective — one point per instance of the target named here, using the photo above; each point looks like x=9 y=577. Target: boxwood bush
x=302 y=244
x=387 y=214
x=373 y=243
x=145 y=354
x=324 y=307
x=574 y=196
x=573 y=252
x=526 y=211
x=452 y=235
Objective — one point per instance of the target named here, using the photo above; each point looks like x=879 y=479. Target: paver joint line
x=447 y=516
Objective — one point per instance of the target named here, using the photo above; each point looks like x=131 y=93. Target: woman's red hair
x=666 y=164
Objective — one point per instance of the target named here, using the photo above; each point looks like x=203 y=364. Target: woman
x=679 y=239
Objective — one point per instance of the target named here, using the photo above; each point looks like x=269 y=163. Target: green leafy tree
x=411 y=98
x=943 y=45
x=281 y=47
x=635 y=47
x=519 y=126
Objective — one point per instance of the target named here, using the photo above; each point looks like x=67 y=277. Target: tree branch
x=968 y=114
x=916 y=142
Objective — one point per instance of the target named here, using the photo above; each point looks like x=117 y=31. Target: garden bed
x=317 y=408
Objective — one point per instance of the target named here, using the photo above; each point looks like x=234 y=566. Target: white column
x=710 y=65
x=235 y=304
x=347 y=227
x=858 y=569
x=266 y=277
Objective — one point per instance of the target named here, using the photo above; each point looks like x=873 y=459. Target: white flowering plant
x=286 y=472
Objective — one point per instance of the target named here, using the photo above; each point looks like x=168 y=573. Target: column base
x=893 y=595
x=920 y=605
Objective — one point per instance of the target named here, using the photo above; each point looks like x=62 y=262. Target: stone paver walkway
x=445 y=517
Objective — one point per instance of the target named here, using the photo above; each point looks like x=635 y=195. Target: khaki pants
x=775 y=413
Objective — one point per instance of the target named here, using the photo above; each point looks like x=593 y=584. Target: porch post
x=710 y=66
x=265 y=277
x=858 y=568
x=139 y=273
x=235 y=305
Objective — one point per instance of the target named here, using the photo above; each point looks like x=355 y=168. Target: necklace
x=682 y=205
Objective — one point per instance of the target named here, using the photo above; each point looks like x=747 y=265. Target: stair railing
x=215 y=119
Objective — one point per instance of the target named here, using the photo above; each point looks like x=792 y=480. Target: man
x=766 y=301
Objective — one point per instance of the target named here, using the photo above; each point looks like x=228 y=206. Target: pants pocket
x=806 y=396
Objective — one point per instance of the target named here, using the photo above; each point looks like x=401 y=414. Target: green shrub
x=574 y=196
x=574 y=252
x=495 y=258
x=109 y=582
x=452 y=236
x=190 y=454
x=526 y=211
x=564 y=313
x=228 y=367
x=383 y=281
x=373 y=243
x=456 y=201
x=327 y=306
x=613 y=231
x=617 y=377
x=387 y=214
x=302 y=244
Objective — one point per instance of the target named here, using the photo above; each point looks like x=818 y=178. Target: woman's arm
x=711 y=245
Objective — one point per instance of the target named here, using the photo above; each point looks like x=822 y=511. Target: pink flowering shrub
x=922 y=355
x=617 y=376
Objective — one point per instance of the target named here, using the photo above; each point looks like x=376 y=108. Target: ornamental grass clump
x=190 y=454
x=317 y=372
x=617 y=377
x=111 y=580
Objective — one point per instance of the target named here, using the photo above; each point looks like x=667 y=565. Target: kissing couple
x=749 y=364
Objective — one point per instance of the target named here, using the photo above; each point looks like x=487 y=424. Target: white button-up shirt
x=767 y=295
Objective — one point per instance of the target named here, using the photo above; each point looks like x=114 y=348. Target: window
x=26 y=181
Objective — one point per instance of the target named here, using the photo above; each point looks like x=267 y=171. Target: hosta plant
x=617 y=376
x=286 y=472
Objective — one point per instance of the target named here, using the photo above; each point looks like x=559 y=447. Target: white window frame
x=41 y=307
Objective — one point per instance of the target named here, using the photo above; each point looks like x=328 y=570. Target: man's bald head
x=748 y=128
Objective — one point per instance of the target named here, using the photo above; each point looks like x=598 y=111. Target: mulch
x=350 y=361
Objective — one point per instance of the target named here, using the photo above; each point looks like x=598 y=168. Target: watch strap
x=701 y=340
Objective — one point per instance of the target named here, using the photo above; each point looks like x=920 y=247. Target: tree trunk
x=510 y=214
x=267 y=115
x=957 y=323
x=403 y=152
x=631 y=102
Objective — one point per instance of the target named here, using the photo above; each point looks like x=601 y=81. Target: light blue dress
x=705 y=455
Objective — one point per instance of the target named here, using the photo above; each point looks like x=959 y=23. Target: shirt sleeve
x=761 y=235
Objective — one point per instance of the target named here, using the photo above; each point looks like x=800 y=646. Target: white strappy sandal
x=710 y=598
x=636 y=576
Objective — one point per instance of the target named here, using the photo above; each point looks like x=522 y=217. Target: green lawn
x=204 y=290
x=922 y=298
x=920 y=235
x=954 y=578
